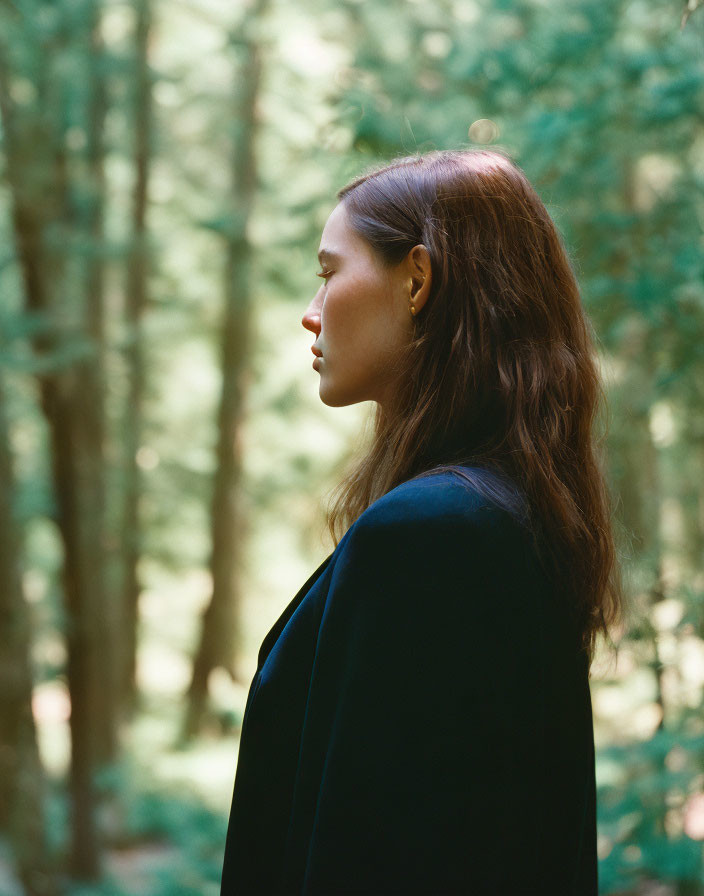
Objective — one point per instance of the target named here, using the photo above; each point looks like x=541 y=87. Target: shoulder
x=443 y=519
x=435 y=538
x=464 y=496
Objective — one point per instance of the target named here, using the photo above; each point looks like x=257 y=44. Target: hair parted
x=501 y=372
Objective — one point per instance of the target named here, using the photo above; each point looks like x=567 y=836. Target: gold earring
x=410 y=296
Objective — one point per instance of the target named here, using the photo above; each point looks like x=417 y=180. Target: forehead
x=338 y=235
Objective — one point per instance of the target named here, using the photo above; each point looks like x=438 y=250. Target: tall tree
x=47 y=215
x=21 y=775
x=90 y=184
x=135 y=304
x=220 y=625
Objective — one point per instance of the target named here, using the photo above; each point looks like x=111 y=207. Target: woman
x=420 y=720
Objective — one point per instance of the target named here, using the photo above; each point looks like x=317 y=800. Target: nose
x=311 y=319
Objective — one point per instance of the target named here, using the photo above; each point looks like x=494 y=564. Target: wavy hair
x=500 y=373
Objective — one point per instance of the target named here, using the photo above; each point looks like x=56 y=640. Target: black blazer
x=420 y=720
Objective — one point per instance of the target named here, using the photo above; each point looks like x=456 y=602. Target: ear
x=418 y=269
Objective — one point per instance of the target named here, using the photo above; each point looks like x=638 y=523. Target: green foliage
x=157 y=840
x=602 y=104
x=654 y=779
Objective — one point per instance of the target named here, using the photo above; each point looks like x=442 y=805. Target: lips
x=316 y=351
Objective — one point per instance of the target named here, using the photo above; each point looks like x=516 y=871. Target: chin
x=334 y=401
x=338 y=399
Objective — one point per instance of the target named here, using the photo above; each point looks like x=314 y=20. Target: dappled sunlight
x=164 y=180
x=51 y=707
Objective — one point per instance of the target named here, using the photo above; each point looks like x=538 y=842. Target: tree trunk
x=21 y=774
x=220 y=635
x=653 y=494
x=135 y=304
x=109 y=628
x=70 y=389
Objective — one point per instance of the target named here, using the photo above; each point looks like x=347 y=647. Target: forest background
x=166 y=170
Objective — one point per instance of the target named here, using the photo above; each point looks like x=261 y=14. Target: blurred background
x=165 y=461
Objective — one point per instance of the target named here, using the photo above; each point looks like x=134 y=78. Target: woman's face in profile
x=360 y=316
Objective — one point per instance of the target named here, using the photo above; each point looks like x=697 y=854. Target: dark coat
x=420 y=720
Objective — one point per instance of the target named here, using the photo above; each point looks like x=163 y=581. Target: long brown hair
x=500 y=373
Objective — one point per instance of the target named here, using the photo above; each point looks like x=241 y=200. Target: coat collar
x=280 y=623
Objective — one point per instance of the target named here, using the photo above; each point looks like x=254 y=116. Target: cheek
x=342 y=314
x=357 y=315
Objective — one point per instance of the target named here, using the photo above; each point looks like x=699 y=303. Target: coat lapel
x=280 y=623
